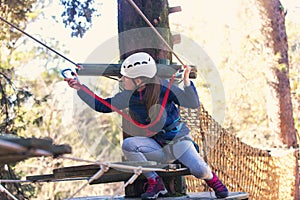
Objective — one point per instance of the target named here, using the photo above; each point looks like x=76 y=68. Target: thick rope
x=138 y=10
x=121 y=166
x=102 y=170
x=136 y=174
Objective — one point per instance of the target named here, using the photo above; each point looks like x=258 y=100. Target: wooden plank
x=112 y=175
x=211 y=195
x=94 y=167
x=45 y=177
x=50 y=178
x=116 y=176
x=175 y=9
x=14 y=157
x=189 y=196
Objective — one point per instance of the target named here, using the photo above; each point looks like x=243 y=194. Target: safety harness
x=175 y=127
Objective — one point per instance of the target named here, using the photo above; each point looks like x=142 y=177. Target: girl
x=158 y=134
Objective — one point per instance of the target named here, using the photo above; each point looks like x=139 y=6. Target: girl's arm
x=118 y=101
x=188 y=97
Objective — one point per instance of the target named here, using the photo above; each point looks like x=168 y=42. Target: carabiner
x=68 y=73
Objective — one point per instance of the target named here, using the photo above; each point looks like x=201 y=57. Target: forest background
x=229 y=33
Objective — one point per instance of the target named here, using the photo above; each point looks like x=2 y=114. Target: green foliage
x=78 y=15
x=16 y=12
x=10 y=100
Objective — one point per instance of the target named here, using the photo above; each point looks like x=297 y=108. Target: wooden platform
x=198 y=195
x=84 y=172
x=112 y=175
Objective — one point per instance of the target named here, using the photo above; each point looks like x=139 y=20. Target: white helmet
x=139 y=64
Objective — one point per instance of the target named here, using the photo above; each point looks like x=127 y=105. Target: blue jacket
x=134 y=100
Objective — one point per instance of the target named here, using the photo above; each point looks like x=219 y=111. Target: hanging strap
x=126 y=116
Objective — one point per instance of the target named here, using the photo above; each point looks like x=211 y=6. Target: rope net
x=240 y=166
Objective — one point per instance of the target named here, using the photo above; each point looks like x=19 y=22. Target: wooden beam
x=15 y=149
x=112 y=175
x=176 y=39
x=175 y=9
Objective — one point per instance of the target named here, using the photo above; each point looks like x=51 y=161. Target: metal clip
x=68 y=73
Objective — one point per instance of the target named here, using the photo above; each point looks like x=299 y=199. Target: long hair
x=152 y=91
x=151 y=98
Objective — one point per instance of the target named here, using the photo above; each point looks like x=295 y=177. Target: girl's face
x=128 y=83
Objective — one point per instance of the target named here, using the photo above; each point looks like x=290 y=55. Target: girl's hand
x=186 y=75
x=73 y=83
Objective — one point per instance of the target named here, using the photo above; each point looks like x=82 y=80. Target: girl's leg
x=187 y=154
x=143 y=149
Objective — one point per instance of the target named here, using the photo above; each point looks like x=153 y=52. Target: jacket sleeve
x=187 y=97
x=119 y=101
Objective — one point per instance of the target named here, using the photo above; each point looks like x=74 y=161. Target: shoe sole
x=162 y=192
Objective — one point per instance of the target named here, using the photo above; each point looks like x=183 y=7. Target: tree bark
x=280 y=111
x=135 y=34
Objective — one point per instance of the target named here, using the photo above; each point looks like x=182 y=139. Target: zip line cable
x=41 y=43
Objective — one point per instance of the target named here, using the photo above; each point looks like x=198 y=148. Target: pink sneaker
x=155 y=188
x=220 y=189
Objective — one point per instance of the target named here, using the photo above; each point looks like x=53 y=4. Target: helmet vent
x=138 y=65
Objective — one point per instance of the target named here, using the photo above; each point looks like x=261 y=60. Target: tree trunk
x=280 y=112
x=134 y=33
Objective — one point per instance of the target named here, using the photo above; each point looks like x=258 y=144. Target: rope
x=154 y=29
x=40 y=181
x=136 y=174
x=103 y=169
x=3 y=189
x=121 y=166
x=30 y=36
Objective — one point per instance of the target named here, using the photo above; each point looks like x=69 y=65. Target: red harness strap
x=127 y=117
